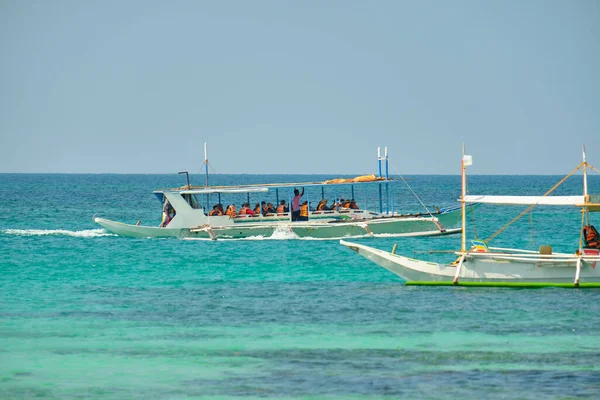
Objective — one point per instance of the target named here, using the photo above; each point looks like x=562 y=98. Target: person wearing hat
x=322 y=206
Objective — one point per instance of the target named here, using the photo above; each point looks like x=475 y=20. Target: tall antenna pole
x=379 y=172
x=386 y=164
x=206 y=164
x=387 y=185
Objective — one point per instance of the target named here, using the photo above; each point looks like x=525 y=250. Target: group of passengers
x=299 y=209
x=265 y=209
x=337 y=204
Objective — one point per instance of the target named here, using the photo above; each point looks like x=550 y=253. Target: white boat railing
x=534 y=257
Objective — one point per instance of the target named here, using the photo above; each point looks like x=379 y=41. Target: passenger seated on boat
x=345 y=203
x=220 y=206
x=303 y=212
x=167 y=215
x=257 y=209
x=322 y=206
x=282 y=208
x=270 y=209
x=263 y=208
x=215 y=211
x=244 y=210
x=334 y=205
x=353 y=205
x=249 y=211
x=231 y=211
x=591 y=237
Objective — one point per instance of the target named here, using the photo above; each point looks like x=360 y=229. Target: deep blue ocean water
x=85 y=314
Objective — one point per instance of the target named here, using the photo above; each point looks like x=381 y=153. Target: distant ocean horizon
x=202 y=175
x=88 y=314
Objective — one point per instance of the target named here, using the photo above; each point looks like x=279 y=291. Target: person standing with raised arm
x=296 y=204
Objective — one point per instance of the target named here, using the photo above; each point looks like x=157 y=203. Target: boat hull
x=481 y=268
x=138 y=231
x=387 y=226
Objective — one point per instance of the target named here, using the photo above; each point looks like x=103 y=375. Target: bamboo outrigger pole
x=463 y=243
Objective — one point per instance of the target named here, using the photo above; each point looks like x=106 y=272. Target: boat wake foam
x=277 y=236
x=88 y=233
x=283 y=233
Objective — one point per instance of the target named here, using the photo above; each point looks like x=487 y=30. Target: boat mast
x=584 y=210
x=387 y=185
x=585 y=183
x=463 y=243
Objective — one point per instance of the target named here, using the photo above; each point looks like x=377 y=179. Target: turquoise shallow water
x=85 y=314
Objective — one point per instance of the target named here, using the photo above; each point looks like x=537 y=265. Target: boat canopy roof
x=367 y=179
x=225 y=190
x=528 y=200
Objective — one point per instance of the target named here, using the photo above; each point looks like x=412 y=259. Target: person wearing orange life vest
x=591 y=237
x=303 y=212
x=322 y=206
x=353 y=205
x=281 y=208
x=231 y=211
x=215 y=211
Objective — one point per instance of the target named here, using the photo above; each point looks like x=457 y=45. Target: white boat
x=482 y=265
x=190 y=206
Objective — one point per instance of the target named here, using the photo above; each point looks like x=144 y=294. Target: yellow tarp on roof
x=362 y=178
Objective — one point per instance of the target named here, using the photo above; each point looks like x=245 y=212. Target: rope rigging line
x=211 y=168
x=413 y=192
x=201 y=170
x=533 y=205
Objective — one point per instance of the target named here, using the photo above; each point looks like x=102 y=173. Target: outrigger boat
x=482 y=265
x=192 y=220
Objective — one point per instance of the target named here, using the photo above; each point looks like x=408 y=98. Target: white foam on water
x=88 y=233
x=283 y=232
x=220 y=238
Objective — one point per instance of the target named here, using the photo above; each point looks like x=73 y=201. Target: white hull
x=488 y=267
x=185 y=215
x=138 y=231
x=397 y=227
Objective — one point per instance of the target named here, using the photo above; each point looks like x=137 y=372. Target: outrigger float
x=486 y=266
x=192 y=220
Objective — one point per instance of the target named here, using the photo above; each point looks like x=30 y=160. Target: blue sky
x=298 y=86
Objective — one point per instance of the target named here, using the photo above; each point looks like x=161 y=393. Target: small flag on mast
x=467 y=160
